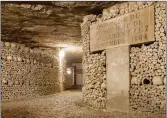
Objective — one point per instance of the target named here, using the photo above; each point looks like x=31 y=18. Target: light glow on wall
x=61 y=59
x=61 y=54
x=68 y=71
x=72 y=48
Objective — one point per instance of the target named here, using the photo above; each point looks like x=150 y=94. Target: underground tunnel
x=89 y=59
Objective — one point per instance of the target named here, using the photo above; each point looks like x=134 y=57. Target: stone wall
x=63 y=73
x=147 y=62
x=28 y=72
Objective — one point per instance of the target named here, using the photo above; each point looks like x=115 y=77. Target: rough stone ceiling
x=46 y=24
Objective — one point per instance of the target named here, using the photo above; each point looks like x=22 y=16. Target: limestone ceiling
x=46 y=24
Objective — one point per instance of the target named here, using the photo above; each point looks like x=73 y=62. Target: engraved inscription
x=132 y=28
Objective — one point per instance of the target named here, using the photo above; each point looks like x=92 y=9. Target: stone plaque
x=118 y=79
x=132 y=28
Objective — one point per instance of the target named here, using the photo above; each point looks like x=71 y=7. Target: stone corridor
x=90 y=59
x=67 y=104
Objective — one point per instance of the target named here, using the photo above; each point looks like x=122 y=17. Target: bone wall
x=94 y=71
x=148 y=69
x=28 y=72
x=147 y=62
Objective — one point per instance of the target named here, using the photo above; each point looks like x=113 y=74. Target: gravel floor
x=67 y=104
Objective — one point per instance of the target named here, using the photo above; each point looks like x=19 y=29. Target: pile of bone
x=85 y=32
x=94 y=70
x=94 y=90
x=24 y=75
x=37 y=81
x=148 y=62
x=160 y=22
x=20 y=53
x=148 y=98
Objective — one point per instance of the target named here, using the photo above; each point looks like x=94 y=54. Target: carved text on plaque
x=132 y=28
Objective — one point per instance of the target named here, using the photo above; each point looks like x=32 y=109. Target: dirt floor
x=67 y=104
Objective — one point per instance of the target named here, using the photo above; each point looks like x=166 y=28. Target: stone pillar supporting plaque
x=118 y=79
